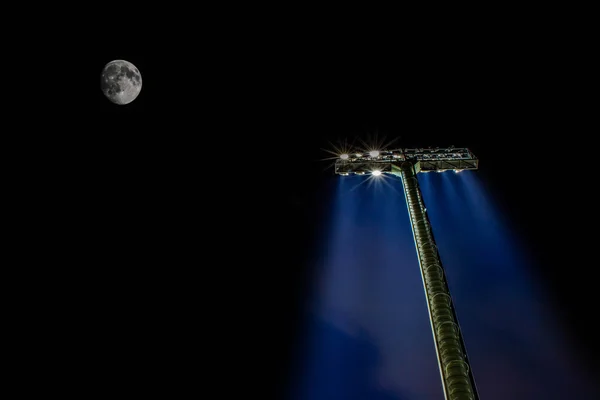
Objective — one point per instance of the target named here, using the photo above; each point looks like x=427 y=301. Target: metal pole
x=457 y=378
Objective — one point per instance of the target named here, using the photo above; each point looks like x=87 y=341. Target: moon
x=121 y=82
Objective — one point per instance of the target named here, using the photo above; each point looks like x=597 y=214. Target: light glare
x=344 y=156
x=376 y=172
x=374 y=153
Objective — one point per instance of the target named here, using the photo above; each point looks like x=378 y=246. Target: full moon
x=121 y=81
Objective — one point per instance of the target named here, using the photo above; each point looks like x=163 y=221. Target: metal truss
x=438 y=159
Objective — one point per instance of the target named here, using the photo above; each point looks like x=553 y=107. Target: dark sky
x=196 y=207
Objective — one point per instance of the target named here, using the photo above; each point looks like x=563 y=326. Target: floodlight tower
x=457 y=377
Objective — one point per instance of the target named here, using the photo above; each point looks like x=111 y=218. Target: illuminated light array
x=439 y=160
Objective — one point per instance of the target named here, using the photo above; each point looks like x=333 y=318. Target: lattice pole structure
x=457 y=377
x=457 y=380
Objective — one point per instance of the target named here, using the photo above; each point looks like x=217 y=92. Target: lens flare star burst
x=372 y=148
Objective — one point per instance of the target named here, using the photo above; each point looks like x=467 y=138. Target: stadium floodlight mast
x=457 y=377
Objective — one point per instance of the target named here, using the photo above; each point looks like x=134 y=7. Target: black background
x=181 y=225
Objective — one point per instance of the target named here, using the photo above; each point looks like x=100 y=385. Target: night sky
x=191 y=228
